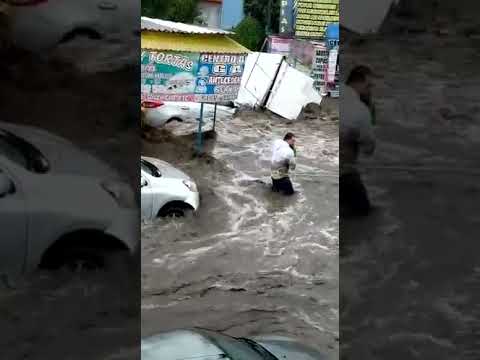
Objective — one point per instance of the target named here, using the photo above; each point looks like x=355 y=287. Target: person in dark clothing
x=283 y=185
x=353 y=195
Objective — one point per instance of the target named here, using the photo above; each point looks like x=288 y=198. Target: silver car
x=166 y=191
x=59 y=206
x=209 y=345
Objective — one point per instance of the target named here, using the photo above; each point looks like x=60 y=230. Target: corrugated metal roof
x=175 y=27
x=208 y=43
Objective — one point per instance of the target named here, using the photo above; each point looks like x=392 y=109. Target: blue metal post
x=199 y=134
x=214 y=116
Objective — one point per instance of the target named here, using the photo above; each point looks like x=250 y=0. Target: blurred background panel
x=69 y=205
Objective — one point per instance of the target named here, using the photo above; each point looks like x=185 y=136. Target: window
x=12 y=153
x=22 y=153
x=149 y=168
x=238 y=349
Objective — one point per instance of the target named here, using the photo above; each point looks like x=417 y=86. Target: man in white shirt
x=283 y=160
x=356 y=136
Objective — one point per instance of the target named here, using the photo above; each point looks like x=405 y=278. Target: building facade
x=286 y=17
x=311 y=17
x=211 y=12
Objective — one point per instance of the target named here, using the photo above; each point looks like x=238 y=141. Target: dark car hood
x=289 y=349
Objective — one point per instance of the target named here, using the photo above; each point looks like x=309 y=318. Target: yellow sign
x=313 y=16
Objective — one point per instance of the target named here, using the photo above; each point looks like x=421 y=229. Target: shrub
x=249 y=33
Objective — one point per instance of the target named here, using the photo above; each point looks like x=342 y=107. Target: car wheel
x=83 y=260
x=174 y=119
x=145 y=127
x=175 y=210
x=95 y=259
x=86 y=259
x=80 y=33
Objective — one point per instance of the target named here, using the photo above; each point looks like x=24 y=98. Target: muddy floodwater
x=410 y=277
x=249 y=262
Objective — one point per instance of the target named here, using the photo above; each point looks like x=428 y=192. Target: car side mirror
x=40 y=165
x=6 y=185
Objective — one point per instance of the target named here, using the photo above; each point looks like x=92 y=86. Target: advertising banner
x=303 y=51
x=332 y=66
x=279 y=45
x=313 y=16
x=286 y=16
x=219 y=77
x=191 y=77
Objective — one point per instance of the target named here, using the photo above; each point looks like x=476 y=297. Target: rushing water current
x=249 y=261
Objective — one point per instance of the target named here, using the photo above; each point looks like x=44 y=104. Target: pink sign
x=280 y=45
x=303 y=51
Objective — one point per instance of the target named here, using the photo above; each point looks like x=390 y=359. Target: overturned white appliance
x=291 y=92
x=258 y=75
x=269 y=81
x=364 y=16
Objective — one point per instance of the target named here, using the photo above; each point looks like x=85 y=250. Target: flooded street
x=61 y=315
x=410 y=275
x=249 y=262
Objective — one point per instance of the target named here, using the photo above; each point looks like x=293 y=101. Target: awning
x=160 y=25
x=154 y=40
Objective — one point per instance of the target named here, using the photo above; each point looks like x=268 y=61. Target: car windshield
x=258 y=348
x=149 y=168
x=22 y=152
x=238 y=349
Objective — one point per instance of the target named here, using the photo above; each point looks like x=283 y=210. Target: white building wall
x=211 y=13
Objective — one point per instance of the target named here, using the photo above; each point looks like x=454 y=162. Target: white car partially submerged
x=166 y=191
x=205 y=344
x=159 y=113
x=91 y=35
x=60 y=206
x=38 y=25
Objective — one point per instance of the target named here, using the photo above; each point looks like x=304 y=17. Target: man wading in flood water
x=283 y=160
x=356 y=135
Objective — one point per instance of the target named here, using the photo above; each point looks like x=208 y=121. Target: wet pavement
x=249 y=262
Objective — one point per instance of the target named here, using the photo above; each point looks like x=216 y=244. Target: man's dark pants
x=283 y=185
x=353 y=195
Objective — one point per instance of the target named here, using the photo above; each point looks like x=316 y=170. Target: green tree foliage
x=263 y=10
x=250 y=33
x=185 y=11
x=154 y=8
